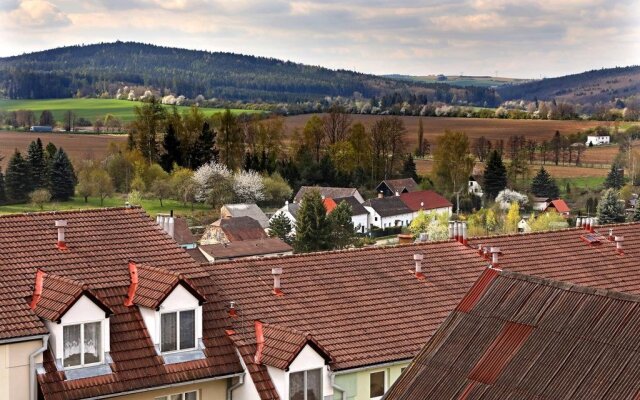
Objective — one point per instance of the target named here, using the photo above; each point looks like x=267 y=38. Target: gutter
x=372 y=366
x=33 y=392
x=235 y=386
x=22 y=339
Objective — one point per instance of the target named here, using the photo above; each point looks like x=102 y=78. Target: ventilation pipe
x=451 y=229
x=418 y=259
x=133 y=286
x=495 y=252
x=463 y=236
x=578 y=222
x=232 y=309
x=172 y=227
x=455 y=230
x=61 y=225
x=480 y=251
x=611 y=237
x=276 y=272
x=619 y=240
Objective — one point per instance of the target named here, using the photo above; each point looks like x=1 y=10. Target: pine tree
x=37 y=165
x=62 y=179
x=636 y=213
x=342 y=230
x=3 y=195
x=205 y=149
x=495 y=175
x=172 y=152
x=610 y=210
x=544 y=186
x=17 y=179
x=409 y=168
x=280 y=227
x=615 y=178
x=312 y=228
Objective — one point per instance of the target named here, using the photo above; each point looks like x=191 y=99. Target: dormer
x=171 y=308
x=78 y=323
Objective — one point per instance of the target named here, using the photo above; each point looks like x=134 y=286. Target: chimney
x=480 y=251
x=259 y=342
x=380 y=195
x=619 y=240
x=37 y=290
x=61 y=225
x=463 y=235
x=495 y=252
x=451 y=229
x=418 y=259
x=611 y=234
x=133 y=286
x=276 y=272
x=455 y=230
x=585 y=223
x=578 y=222
x=594 y=222
x=232 y=309
x=172 y=227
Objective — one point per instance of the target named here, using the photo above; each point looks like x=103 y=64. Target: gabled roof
x=246 y=346
x=388 y=206
x=248 y=210
x=356 y=207
x=515 y=336
x=325 y=192
x=182 y=233
x=246 y=248
x=241 y=228
x=156 y=284
x=399 y=185
x=282 y=345
x=559 y=205
x=424 y=200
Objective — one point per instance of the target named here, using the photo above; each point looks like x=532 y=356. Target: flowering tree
x=435 y=225
x=214 y=184
x=248 y=186
x=507 y=197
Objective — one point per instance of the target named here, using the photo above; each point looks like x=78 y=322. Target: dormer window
x=82 y=344
x=177 y=330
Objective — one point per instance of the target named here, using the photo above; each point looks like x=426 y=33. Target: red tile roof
x=530 y=338
x=262 y=381
x=282 y=345
x=246 y=248
x=241 y=228
x=559 y=205
x=424 y=200
x=329 y=204
x=181 y=232
x=100 y=243
x=155 y=284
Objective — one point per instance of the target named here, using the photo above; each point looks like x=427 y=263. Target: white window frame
x=168 y=396
x=386 y=387
x=305 y=381
x=82 y=363
x=195 y=333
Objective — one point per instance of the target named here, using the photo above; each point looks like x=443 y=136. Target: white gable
x=307 y=359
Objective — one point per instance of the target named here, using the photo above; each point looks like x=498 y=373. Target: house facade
x=426 y=201
x=329 y=192
x=474 y=187
x=290 y=210
x=359 y=214
x=395 y=187
x=598 y=140
x=388 y=212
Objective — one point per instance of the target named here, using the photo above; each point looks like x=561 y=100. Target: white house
x=387 y=212
x=359 y=214
x=290 y=210
x=474 y=187
x=597 y=140
x=427 y=201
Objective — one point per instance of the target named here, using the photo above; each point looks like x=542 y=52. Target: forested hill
x=599 y=85
x=99 y=69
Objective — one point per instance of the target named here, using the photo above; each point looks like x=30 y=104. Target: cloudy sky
x=515 y=38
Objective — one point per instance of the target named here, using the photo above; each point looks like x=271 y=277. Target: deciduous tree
x=452 y=162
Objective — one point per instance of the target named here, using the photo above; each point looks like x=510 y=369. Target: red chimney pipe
x=232 y=309
x=61 y=225
x=259 y=342
x=133 y=273
x=37 y=290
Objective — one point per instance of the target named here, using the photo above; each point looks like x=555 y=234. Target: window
x=305 y=385
x=177 y=330
x=376 y=384
x=193 y=395
x=82 y=344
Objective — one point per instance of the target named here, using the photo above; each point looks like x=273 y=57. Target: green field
x=90 y=108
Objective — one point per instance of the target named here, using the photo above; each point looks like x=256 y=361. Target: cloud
x=37 y=14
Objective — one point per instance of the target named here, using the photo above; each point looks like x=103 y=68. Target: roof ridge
x=160 y=270
x=70 y=211
x=82 y=285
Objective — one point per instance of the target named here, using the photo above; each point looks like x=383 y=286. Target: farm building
x=598 y=140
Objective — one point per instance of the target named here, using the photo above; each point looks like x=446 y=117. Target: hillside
x=600 y=85
x=460 y=80
x=100 y=69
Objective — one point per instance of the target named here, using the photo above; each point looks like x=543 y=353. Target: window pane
x=376 y=384
x=71 y=343
x=314 y=384
x=296 y=386
x=168 y=331
x=176 y=396
x=191 y=396
x=187 y=329
x=92 y=342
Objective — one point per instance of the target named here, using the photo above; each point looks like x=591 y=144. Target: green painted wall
x=356 y=384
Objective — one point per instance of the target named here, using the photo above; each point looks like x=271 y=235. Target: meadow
x=91 y=108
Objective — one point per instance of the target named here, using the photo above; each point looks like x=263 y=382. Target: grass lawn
x=152 y=207
x=91 y=108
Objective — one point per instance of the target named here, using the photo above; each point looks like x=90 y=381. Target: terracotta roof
x=325 y=192
x=197 y=255
x=356 y=207
x=246 y=248
x=241 y=228
x=363 y=306
x=424 y=200
x=282 y=345
x=399 y=185
x=559 y=205
x=329 y=204
x=248 y=210
x=100 y=243
x=246 y=346
x=388 y=206
x=181 y=232
x=530 y=338
x=155 y=284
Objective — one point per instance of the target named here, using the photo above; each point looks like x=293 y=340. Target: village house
x=559 y=206
x=359 y=214
x=387 y=212
x=329 y=192
x=394 y=187
x=597 y=140
x=245 y=210
x=427 y=201
x=290 y=210
x=518 y=336
x=256 y=248
x=474 y=187
x=232 y=229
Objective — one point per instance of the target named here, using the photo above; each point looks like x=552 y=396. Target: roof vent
x=463 y=232
x=276 y=272
x=37 y=290
x=232 y=309
x=61 y=225
x=611 y=237
x=619 y=240
x=495 y=252
x=133 y=286
x=418 y=259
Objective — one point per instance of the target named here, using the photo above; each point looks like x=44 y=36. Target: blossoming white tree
x=248 y=186
x=214 y=184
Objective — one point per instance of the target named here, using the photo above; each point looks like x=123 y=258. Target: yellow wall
x=14 y=369
x=357 y=384
x=213 y=390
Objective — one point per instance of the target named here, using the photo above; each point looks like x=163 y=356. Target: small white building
x=597 y=140
x=359 y=214
x=474 y=187
x=388 y=212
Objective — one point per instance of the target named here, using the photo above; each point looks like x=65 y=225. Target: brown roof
x=181 y=232
x=332 y=192
x=246 y=248
x=399 y=185
x=521 y=337
x=261 y=380
x=241 y=228
x=388 y=206
x=424 y=200
x=155 y=284
x=100 y=243
x=282 y=345
x=356 y=207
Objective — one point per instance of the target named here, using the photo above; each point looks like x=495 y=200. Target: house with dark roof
x=178 y=229
x=232 y=229
x=395 y=187
x=245 y=210
x=258 y=248
x=387 y=212
x=427 y=201
x=518 y=336
x=331 y=192
x=359 y=214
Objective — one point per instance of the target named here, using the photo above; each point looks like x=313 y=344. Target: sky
x=512 y=38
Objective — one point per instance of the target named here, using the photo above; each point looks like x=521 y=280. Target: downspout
x=235 y=386
x=338 y=388
x=33 y=392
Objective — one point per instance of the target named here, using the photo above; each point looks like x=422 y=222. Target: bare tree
x=481 y=148
x=336 y=124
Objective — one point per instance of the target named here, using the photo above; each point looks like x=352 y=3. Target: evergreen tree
x=62 y=179
x=3 y=195
x=37 y=165
x=312 y=228
x=280 y=227
x=342 y=230
x=172 y=152
x=610 y=210
x=495 y=175
x=409 y=169
x=50 y=151
x=544 y=186
x=615 y=178
x=17 y=179
x=205 y=150
x=636 y=213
